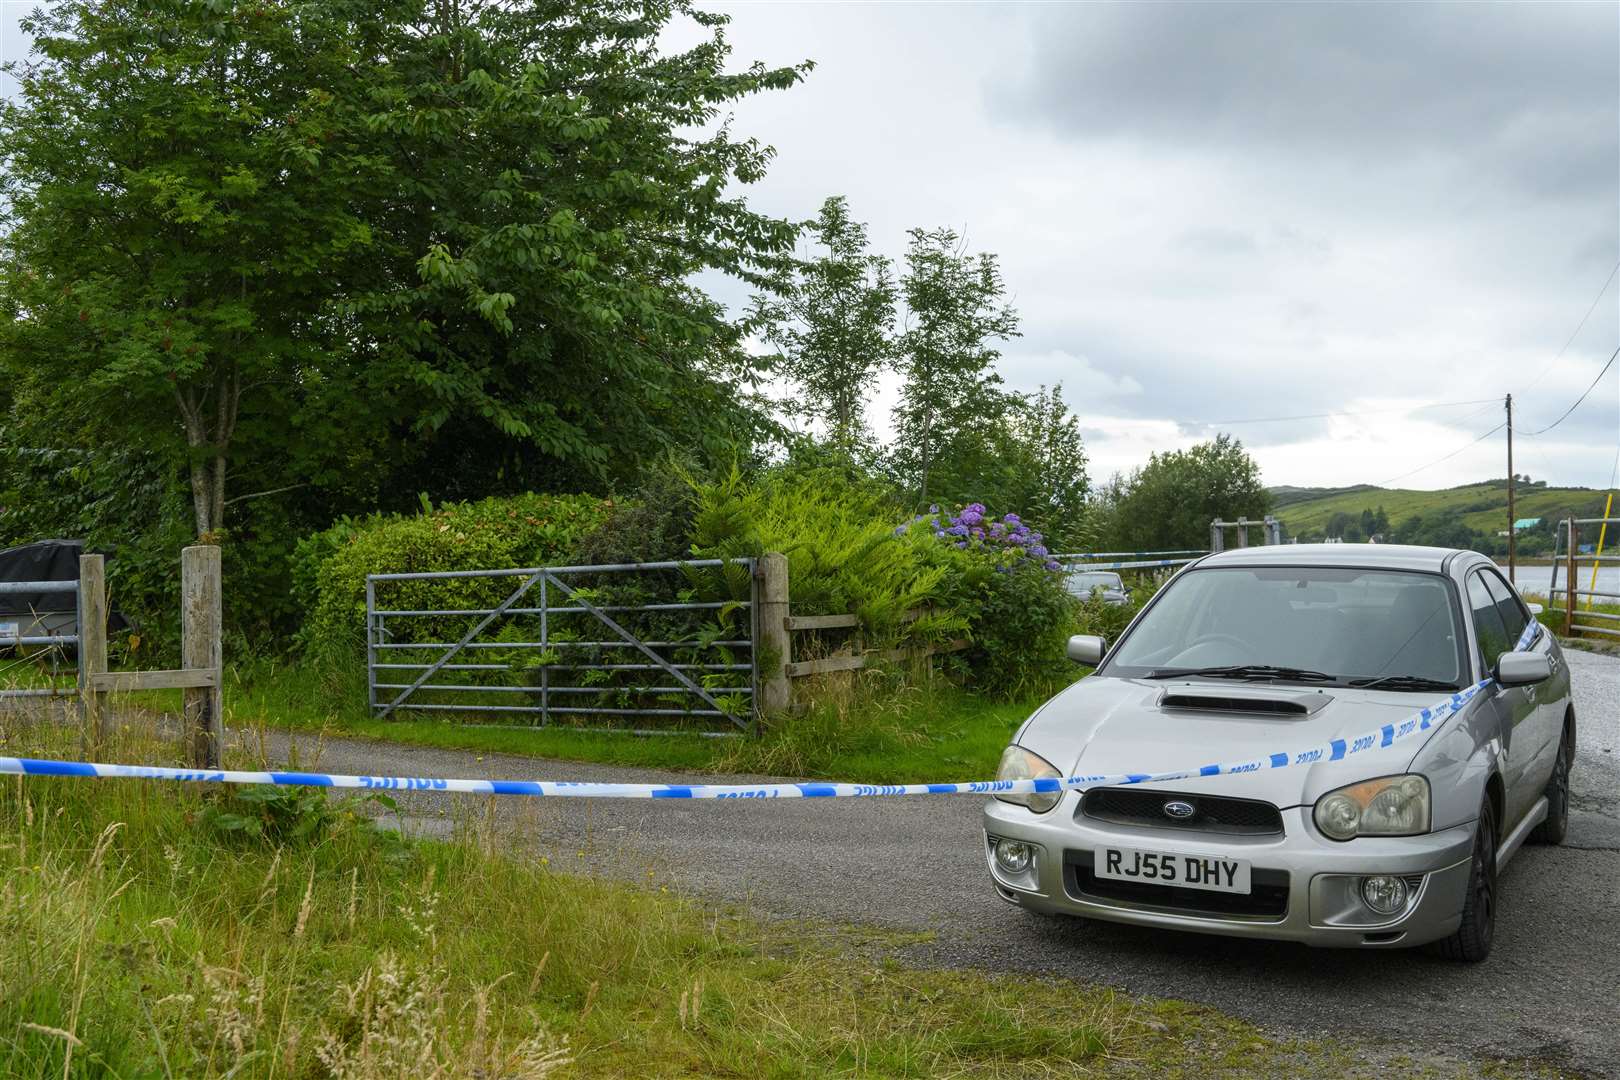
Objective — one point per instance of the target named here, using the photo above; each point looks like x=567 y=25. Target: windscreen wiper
x=1255 y=672
x=1402 y=682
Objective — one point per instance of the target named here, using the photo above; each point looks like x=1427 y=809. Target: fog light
x=1013 y=857
x=1385 y=893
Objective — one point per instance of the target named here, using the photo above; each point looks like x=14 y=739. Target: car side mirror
x=1535 y=609
x=1087 y=649
x=1520 y=668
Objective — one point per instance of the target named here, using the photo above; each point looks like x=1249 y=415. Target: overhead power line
x=1584 y=393
x=1448 y=457
x=1581 y=326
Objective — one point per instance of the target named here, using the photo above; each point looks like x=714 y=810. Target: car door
x=1547 y=724
x=1515 y=708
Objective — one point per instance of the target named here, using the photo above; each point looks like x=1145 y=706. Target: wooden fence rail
x=778 y=625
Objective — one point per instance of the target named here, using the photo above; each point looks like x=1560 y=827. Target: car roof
x=1380 y=556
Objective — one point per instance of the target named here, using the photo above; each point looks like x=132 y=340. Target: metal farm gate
x=670 y=642
x=44 y=652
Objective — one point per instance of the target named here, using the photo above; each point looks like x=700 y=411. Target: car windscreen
x=1082 y=584
x=1352 y=624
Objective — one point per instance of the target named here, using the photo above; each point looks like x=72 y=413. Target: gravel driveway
x=1550 y=991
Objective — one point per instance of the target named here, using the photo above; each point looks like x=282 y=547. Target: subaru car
x=1085 y=584
x=1250 y=655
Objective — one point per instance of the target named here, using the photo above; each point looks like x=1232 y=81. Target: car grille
x=1211 y=813
x=1267 y=900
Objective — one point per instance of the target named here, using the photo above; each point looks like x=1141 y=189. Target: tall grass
x=139 y=938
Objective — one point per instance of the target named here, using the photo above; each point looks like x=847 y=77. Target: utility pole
x=1513 y=546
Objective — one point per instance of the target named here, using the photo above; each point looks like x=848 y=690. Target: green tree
x=1034 y=463
x=834 y=325
x=1170 y=501
x=354 y=246
x=179 y=181
x=557 y=178
x=951 y=393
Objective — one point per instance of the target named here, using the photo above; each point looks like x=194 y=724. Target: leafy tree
x=1374 y=522
x=834 y=324
x=367 y=248
x=1444 y=528
x=955 y=314
x=1169 y=502
x=1034 y=462
x=179 y=181
x=557 y=179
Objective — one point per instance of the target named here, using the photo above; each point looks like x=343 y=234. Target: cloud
x=1083 y=381
x=1516 y=89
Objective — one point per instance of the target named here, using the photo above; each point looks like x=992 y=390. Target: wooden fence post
x=775 y=642
x=92 y=631
x=1569 y=578
x=201 y=618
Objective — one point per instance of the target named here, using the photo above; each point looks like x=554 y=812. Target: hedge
x=330 y=567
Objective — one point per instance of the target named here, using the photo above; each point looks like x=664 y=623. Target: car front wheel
x=1556 y=826
x=1472 y=941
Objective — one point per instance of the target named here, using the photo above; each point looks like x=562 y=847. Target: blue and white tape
x=1334 y=750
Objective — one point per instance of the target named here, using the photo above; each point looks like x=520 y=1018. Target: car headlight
x=1388 y=806
x=1019 y=764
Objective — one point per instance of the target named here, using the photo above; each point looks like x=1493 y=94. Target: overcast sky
x=1212 y=213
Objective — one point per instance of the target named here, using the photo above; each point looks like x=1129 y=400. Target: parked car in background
x=1262 y=654
x=38 y=617
x=1085 y=583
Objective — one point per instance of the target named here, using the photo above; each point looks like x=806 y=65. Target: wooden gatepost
x=201 y=653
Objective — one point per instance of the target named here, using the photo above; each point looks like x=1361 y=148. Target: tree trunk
x=209 y=443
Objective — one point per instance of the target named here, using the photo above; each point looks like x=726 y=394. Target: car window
x=1082 y=584
x=1514 y=616
x=1488 y=626
x=1352 y=623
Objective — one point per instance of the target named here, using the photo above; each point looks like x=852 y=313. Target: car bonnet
x=1104 y=725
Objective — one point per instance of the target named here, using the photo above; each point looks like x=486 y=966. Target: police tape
x=1333 y=750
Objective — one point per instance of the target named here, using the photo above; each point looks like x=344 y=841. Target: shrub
x=999 y=576
x=842 y=550
x=330 y=567
x=653 y=524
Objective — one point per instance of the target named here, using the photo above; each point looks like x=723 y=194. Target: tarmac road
x=1550 y=991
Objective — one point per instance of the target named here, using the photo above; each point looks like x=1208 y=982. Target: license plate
x=1213 y=873
x=10 y=629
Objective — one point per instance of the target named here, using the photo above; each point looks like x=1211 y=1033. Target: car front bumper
x=1306 y=875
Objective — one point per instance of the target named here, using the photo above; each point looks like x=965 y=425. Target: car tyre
x=1556 y=826
x=1472 y=941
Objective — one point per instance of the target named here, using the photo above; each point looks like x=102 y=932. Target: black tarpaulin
x=47 y=560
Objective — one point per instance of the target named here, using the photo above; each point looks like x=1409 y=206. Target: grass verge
x=873 y=728
x=156 y=930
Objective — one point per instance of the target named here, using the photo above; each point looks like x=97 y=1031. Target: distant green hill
x=1482 y=507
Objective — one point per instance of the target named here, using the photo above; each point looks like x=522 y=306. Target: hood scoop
x=1251 y=701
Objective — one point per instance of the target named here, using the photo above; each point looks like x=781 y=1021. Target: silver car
x=1085 y=584
x=1249 y=656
